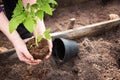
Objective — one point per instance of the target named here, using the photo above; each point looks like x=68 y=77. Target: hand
x=40 y=27
x=50 y=49
x=23 y=53
x=19 y=44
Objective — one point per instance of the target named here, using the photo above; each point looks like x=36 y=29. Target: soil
x=98 y=58
x=85 y=14
x=38 y=51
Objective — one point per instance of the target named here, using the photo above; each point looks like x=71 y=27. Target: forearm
x=4 y=27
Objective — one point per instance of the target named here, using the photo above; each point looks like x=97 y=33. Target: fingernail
x=47 y=57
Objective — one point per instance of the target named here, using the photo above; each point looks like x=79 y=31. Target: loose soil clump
x=38 y=51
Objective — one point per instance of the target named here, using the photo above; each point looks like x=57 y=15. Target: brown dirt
x=4 y=42
x=99 y=56
x=40 y=51
x=85 y=14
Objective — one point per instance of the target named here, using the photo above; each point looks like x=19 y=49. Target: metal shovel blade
x=6 y=54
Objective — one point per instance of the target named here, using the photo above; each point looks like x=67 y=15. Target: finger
x=48 y=55
x=50 y=49
x=28 y=55
x=38 y=60
x=35 y=62
x=23 y=58
x=50 y=43
x=28 y=61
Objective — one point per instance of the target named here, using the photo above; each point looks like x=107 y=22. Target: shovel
x=9 y=54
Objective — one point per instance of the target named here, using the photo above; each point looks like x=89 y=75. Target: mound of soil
x=99 y=56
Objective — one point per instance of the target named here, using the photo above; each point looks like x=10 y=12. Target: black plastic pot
x=64 y=49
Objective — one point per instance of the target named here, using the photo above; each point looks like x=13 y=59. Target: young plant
x=28 y=16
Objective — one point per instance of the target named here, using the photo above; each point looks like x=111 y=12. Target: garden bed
x=99 y=56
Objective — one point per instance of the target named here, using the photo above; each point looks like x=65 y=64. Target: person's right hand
x=23 y=53
x=19 y=44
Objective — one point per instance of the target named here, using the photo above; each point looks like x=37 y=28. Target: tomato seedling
x=28 y=16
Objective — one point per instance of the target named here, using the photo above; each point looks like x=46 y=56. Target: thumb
x=28 y=55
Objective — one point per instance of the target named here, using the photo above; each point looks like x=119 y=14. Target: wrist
x=41 y=26
x=15 y=38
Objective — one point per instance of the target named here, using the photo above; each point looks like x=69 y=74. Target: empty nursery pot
x=64 y=49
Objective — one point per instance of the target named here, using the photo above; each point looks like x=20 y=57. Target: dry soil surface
x=98 y=58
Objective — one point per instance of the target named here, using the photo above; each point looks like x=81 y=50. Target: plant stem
x=35 y=34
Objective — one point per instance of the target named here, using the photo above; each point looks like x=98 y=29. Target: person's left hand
x=40 y=27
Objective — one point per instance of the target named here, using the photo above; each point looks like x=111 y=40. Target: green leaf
x=32 y=12
x=20 y=3
x=47 y=34
x=36 y=6
x=53 y=2
x=15 y=21
x=39 y=2
x=26 y=13
x=17 y=11
x=47 y=31
x=40 y=14
x=46 y=7
x=29 y=23
x=28 y=6
x=39 y=38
